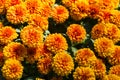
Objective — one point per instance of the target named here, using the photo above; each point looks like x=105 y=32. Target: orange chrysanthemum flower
x=31 y=36
x=111 y=77
x=84 y=57
x=17 y=14
x=99 y=69
x=112 y=32
x=48 y=2
x=115 y=70
x=7 y=34
x=76 y=33
x=34 y=53
x=108 y=4
x=2 y=6
x=114 y=59
x=10 y=3
x=45 y=10
x=115 y=17
x=98 y=31
x=79 y=10
x=60 y=14
x=83 y=73
x=56 y=43
x=15 y=50
x=33 y=6
x=44 y=65
x=62 y=64
x=37 y=20
x=104 y=47
x=68 y=3
x=12 y=69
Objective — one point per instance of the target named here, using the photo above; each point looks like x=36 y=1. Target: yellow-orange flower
x=99 y=69
x=111 y=77
x=56 y=43
x=48 y=2
x=79 y=10
x=114 y=58
x=12 y=69
x=39 y=79
x=44 y=65
x=60 y=14
x=104 y=47
x=7 y=34
x=115 y=70
x=83 y=73
x=31 y=36
x=84 y=57
x=112 y=32
x=34 y=53
x=15 y=50
x=115 y=17
x=33 y=6
x=2 y=6
x=17 y=14
x=45 y=10
x=37 y=20
x=108 y=4
x=9 y=3
x=68 y=3
x=62 y=64
x=98 y=31
x=76 y=33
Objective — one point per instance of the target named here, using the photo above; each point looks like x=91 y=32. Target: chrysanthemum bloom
x=10 y=3
x=111 y=77
x=62 y=64
x=98 y=31
x=33 y=6
x=79 y=10
x=17 y=14
x=76 y=33
x=115 y=17
x=34 y=53
x=44 y=65
x=115 y=70
x=7 y=34
x=104 y=47
x=99 y=69
x=12 y=69
x=56 y=43
x=84 y=57
x=48 y=2
x=114 y=58
x=84 y=73
x=45 y=11
x=59 y=14
x=1 y=24
x=68 y=3
x=2 y=6
x=112 y=32
x=108 y=4
x=37 y=20
x=31 y=36
x=15 y=50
